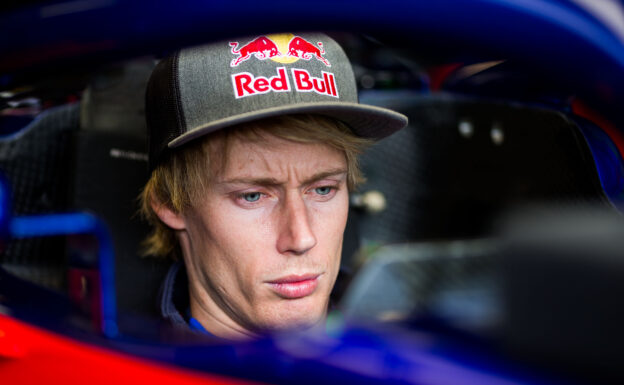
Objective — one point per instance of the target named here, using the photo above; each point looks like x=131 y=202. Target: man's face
x=263 y=246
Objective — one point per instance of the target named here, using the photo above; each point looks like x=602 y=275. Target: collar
x=174 y=297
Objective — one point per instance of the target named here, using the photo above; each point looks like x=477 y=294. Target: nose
x=296 y=236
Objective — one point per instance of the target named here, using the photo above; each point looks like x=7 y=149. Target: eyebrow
x=275 y=182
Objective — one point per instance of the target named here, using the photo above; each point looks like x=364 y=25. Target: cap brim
x=365 y=120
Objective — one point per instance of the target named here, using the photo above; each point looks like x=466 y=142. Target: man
x=253 y=147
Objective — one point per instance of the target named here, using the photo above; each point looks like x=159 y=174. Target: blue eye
x=252 y=197
x=323 y=190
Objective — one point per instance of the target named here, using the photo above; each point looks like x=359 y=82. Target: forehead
x=238 y=155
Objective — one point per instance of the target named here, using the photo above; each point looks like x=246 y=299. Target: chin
x=293 y=317
x=296 y=324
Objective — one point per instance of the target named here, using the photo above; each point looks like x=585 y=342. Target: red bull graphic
x=246 y=84
x=304 y=82
x=261 y=47
x=284 y=49
x=303 y=49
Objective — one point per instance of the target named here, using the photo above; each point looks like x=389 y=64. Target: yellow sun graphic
x=281 y=41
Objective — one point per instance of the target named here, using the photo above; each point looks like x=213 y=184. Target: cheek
x=233 y=239
x=333 y=214
x=329 y=219
x=245 y=231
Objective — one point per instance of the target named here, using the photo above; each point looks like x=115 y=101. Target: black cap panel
x=163 y=108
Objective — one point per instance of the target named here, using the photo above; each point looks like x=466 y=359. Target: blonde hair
x=179 y=180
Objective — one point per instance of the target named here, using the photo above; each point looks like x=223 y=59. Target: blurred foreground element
x=453 y=280
x=563 y=282
x=546 y=291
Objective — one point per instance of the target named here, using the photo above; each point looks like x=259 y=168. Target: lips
x=295 y=286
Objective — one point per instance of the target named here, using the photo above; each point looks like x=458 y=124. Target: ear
x=167 y=215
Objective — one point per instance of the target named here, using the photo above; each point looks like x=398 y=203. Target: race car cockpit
x=484 y=246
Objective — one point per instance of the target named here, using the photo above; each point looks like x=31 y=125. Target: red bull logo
x=304 y=82
x=303 y=49
x=281 y=50
x=285 y=49
x=261 y=47
x=246 y=84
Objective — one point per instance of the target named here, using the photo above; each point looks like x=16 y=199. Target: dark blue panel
x=78 y=223
x=559 y=41
x=608 y=161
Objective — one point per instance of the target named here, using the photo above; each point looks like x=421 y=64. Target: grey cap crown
x=202 y=89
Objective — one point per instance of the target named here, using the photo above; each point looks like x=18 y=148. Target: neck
x=205 y=308
x=213 y=319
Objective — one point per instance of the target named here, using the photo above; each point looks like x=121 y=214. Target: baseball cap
x=202 y=89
